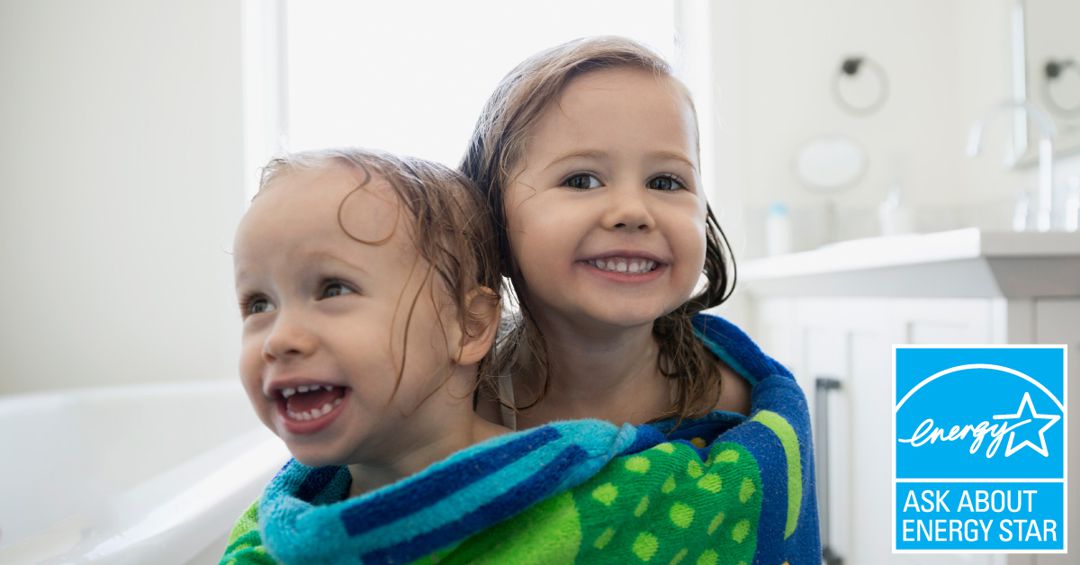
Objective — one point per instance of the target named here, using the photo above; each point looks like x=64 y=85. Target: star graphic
x=1050 y=421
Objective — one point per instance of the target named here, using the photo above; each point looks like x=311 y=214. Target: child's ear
x=482 y=310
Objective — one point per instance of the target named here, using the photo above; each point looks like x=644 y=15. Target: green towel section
x=663 y=505
x=245 y=543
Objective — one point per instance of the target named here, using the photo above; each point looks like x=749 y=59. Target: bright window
x=411 y=77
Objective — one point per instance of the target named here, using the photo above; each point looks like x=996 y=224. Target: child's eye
x=665 y=182
x=255 y=305
x=581 y=181
x=335 y=288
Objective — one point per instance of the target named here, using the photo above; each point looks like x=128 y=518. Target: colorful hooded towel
x=718 y=490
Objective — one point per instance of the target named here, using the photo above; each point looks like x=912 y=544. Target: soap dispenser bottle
x=778 y=230
x=893 y=216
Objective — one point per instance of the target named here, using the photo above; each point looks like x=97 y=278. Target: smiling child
x=368 y=311
x=588 y=156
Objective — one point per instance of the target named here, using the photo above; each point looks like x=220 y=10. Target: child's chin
x=314 y=459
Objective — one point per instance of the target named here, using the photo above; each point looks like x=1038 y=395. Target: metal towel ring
x=849 y=70
x=1052 y=71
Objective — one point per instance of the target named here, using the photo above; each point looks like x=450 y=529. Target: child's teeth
x=625 y=265
x=314 y=412
x=287 y=392
x=302 y=388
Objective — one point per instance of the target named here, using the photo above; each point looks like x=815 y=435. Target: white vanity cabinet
x=833 y=316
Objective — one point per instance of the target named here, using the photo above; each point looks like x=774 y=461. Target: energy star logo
x=979 y=436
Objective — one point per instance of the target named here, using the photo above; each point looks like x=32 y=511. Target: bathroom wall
x=123 y=163
x=947 y=64
x=121 y=178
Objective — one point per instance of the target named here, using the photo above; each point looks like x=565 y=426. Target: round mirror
x=830 y=163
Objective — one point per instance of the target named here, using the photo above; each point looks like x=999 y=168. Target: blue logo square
x=980 y=451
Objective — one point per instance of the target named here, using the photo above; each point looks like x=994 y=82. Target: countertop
x=960 y=263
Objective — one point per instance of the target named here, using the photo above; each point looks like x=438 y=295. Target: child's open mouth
x=625 y=269
x=309 y=408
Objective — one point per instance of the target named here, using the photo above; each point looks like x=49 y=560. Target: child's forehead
x=639 y=82
x=328 y=182
x=628 y=104
x=329 y=192
x=332 y=203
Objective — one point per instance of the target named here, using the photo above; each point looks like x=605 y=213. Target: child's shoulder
x=735 y=391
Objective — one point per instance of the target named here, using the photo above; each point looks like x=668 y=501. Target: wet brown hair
x=496 y=150
x=450 y=226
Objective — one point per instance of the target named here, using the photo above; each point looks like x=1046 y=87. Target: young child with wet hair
x=588 y=156
x=368 y=291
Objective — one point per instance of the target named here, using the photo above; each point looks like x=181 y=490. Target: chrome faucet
x=1044 y=200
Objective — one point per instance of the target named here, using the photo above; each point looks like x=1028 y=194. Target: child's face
x=324 y=311
x=606 y=216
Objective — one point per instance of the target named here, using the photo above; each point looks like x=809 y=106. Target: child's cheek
x=251 y=377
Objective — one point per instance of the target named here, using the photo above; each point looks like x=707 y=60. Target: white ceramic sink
x=959 y=263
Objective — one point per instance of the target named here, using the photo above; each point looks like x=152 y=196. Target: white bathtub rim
x=126 y=528
x=191 y=518
x=59 y=397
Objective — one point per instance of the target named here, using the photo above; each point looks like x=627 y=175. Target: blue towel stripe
x=779 y=392
x=397 y=528
x=732 y=346
x=772 y=463
x=599 y=439
x=647 y=437
x=315 y=482
x=799 y=417
x=538 y=486
x=441 y=483
x=710 y=338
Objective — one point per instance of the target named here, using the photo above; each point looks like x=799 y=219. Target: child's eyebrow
x=586 y=154
x=326 y=256
x=664 y=155
x=601 y=155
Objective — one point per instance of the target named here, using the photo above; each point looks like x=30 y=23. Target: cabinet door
x=851 y=341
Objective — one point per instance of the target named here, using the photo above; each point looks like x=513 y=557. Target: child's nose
x=628 y=210
x=288 y=338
